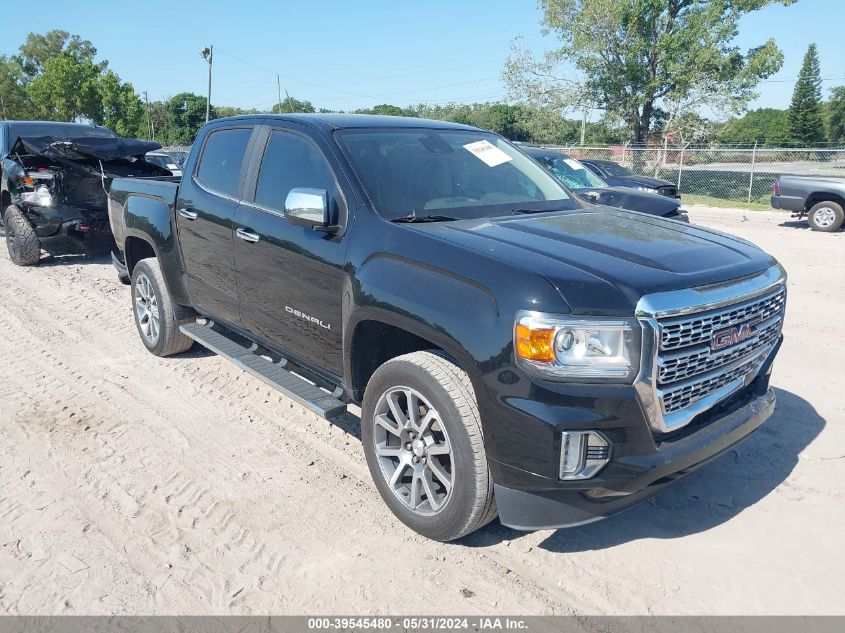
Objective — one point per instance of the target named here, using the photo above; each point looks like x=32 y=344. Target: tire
x=443 y=495
x=21 y=240
x=826 y=217
x=156 y=316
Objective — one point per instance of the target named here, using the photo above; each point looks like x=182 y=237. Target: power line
x=460 y=83
x=776 y=81
x=355 y=94
x=289 y=78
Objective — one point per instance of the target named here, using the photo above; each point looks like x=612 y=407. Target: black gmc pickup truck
x=513 y=350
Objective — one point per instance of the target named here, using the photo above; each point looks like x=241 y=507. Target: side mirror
x=309 y=208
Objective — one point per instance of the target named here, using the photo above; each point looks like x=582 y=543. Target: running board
x=294 y=387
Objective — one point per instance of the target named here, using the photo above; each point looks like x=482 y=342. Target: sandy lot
x=131 y=484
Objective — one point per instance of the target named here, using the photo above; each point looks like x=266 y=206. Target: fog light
x=582 y=454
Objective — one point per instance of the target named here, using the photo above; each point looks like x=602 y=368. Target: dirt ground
x=131 y=484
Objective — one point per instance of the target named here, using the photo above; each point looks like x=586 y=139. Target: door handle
x=188 y=214
x=247 y=236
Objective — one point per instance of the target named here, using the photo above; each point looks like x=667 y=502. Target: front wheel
x=826 y=217
x=421 y=432
x=21 y=240
x=156 y=316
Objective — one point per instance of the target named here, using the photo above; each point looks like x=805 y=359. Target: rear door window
x=222 y=158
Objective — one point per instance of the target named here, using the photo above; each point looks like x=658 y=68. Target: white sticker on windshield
x=172 y=166
x=573 y=163
x=488 y=153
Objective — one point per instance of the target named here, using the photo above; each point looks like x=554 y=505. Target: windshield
x=457 y=174
x=612 y=169
x=162 y=160
x=572 y=173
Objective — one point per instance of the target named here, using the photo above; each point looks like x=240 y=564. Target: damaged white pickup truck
x=54 y=180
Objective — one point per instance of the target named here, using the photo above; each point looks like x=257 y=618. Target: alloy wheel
x=413 y=450
x=146 y=309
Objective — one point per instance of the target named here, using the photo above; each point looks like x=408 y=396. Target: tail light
x=777 y=187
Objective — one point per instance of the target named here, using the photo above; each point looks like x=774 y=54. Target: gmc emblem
x=731 y=336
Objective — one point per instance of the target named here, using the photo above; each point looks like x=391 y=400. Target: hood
x=97 y=148
x=602 y=260
x=645 y=181
x=626 y=198
x=93 y=156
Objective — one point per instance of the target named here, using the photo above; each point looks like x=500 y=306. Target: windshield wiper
x=413 y=217
x=532 y=211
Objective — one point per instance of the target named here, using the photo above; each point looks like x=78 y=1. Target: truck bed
x=162 y=189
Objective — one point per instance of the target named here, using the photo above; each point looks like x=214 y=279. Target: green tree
x=766 y=126
x=634 y=55
x=66 y=89
x=55 y=76
x=224 y=111
x=14 y=100
x=120 y=107
x=291 y=104
x=39 y=49
x=836 y=115
x=805 y=113
x=385 y=108
x=184 y=116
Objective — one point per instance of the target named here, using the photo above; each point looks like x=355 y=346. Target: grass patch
x=725 y=204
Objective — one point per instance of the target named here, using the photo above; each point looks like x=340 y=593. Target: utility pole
x=279 y=88
x=208 y=55
x=583 y=124
x=150 y=127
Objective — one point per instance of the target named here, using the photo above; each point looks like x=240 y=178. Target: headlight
x=561 y=347
x=648 y=189
x=41 y=197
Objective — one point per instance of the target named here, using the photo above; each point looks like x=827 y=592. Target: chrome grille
x=691 y=330
x=689 y=370
x=681 y=375
x=681 y=397
x=687 y=364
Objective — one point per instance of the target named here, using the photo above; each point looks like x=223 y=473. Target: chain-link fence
x=742 y=174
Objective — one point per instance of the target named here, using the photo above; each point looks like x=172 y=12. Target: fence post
x=751 y=177
x=681 y=167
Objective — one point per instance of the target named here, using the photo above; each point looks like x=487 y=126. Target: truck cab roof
x=332 y=121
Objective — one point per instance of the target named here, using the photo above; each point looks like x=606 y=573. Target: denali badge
x=731 y=336
x=310 y=319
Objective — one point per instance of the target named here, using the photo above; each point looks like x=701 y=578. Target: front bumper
x=629 y=479
x=61 y=220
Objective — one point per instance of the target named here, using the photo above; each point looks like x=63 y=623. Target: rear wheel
x=156 y=316
x=421 y=432
x=21 y=240
x=826 y=217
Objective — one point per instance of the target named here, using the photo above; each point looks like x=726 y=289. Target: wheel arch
x=823 y=196
x=138 y=245
x=377 y=339
x=135 y=249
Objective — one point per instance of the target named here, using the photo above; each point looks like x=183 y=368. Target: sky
x=346 y=55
